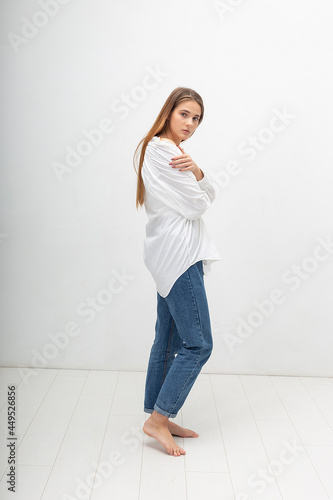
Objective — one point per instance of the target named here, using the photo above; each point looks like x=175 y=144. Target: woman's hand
x=186 y=163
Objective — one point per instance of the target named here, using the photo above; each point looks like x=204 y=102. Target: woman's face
x=184 y=120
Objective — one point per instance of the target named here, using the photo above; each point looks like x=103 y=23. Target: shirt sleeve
x=178 y=190
x=206 y=185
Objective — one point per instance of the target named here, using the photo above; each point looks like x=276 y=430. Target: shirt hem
x=207 y=262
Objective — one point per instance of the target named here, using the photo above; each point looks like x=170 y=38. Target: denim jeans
x=182 y=345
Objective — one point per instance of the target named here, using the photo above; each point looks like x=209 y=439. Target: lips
x=186 y=131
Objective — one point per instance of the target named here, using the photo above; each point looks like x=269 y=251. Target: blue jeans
x=182 y=345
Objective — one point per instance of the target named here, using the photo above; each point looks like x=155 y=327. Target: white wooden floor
x=79 y=436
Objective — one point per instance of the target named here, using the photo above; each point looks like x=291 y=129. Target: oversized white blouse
x=176 y=236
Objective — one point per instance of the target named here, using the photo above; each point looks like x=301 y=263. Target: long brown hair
x=160 y=126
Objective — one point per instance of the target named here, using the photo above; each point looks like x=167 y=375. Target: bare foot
x=160 y=431
x=176 y=430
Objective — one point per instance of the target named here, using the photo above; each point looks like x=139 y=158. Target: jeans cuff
x=165 y=413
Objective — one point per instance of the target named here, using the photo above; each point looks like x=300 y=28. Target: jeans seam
x=196 y=305
x=168 y=351
x=185 y=383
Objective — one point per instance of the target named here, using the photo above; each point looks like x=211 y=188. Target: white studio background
x=75 y=292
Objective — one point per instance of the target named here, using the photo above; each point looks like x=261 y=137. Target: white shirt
x=176 y=236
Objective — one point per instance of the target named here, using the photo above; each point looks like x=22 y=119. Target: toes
x=174 y=452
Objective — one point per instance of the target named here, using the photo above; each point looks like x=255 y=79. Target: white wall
x=65 y=237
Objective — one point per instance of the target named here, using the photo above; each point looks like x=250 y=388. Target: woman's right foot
x=160 y=431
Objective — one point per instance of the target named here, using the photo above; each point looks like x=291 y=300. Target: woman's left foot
x=176 y=430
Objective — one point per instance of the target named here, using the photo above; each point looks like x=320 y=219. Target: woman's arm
x=207 y=186
x=185 y=163
x=177 y=189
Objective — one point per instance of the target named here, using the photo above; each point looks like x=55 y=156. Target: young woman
x=178 y=252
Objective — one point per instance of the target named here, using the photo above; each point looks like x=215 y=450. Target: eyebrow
x=189 y=112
